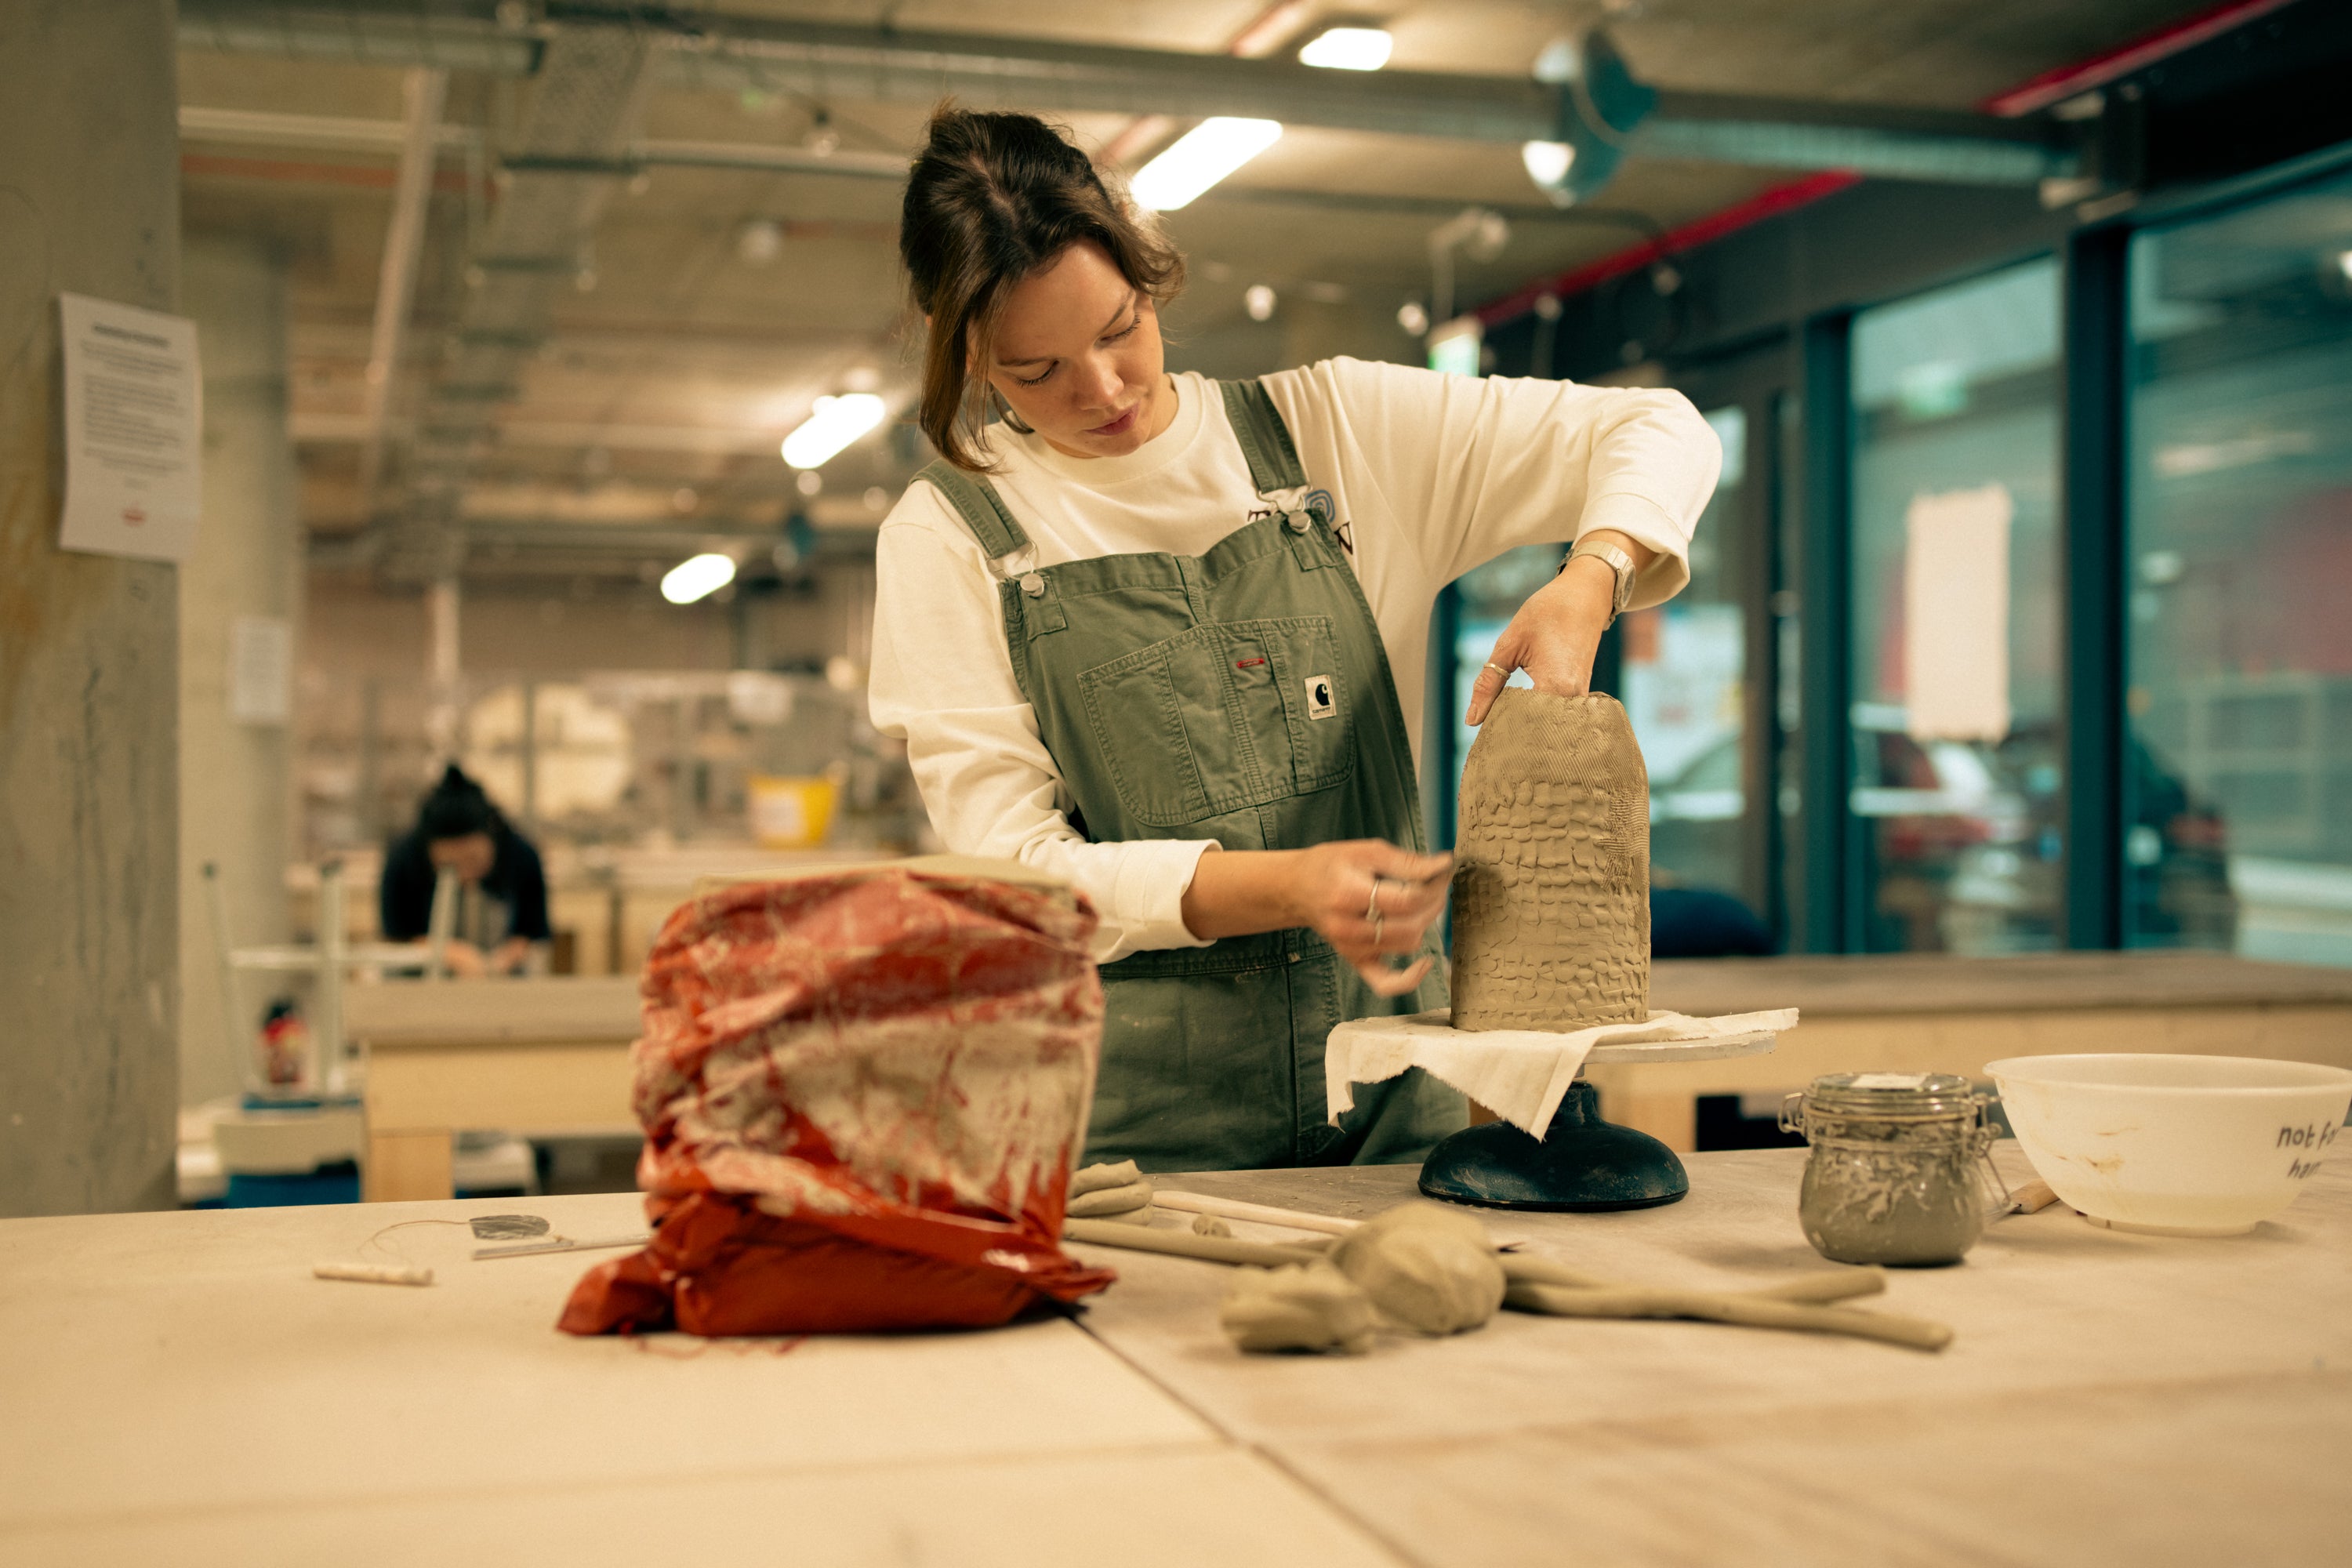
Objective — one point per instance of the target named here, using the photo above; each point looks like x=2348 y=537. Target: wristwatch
x=1617 y=560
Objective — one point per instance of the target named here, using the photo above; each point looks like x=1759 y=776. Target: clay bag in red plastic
x=861 y=1090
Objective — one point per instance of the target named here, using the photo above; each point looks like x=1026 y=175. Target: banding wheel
x=1582 y=1163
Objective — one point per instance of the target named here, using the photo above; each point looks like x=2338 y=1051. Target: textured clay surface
x=1551 y=885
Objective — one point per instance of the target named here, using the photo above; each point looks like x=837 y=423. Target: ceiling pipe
x=756 y=157
x=325 y=131
x=590 y=94
x=269 y=127
x=422 y=90
x=463 y=38
x=853 y=542
x=701 y=48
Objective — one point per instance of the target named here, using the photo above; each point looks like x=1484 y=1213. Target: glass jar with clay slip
x=1897 y=1170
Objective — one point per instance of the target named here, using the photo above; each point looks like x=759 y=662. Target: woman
x=502 y=889
x=1166 y=637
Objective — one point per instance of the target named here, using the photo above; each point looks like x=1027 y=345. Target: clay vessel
x=1551 y=885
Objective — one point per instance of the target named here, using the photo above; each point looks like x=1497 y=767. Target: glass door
x=2238 y=762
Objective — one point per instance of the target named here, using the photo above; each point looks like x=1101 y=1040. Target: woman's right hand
x=1373 y=901
x=1370 y=900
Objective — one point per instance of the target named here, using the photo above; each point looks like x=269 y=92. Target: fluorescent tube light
x=1348 y=49
x=1200 y=158
x=834 y=424
x=697 y=577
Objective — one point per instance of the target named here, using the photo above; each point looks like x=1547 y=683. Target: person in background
x=501 y=889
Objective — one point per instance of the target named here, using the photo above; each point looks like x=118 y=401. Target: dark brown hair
x=993 y=198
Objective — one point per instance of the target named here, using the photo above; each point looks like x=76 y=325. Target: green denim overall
x=1242 y=696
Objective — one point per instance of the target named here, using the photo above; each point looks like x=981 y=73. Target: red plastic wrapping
x=862 y=1091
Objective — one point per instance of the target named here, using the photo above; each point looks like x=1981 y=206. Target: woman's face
x=1078 y=356
x=471 y=856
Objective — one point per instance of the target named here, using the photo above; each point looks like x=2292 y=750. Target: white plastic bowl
x=2176 y=1145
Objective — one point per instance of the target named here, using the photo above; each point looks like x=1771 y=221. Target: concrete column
x=243 y=585
x=90 y=958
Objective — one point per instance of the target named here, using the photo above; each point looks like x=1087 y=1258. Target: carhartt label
x=1319 y=697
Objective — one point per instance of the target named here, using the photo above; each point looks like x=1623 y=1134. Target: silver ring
x=1372 y=904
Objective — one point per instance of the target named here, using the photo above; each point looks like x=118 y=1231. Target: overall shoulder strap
x=1266 y=440
x=982 y=509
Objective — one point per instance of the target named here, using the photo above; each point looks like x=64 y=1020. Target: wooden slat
x=408 y=1167
x=1660 y=1100
x=1942 y=982
x=474 y=1012
x=528 y=1088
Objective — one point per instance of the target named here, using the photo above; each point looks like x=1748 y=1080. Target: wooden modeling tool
x=1264 y=1213
x=561 y=1244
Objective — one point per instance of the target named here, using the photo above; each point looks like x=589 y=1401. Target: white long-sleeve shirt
x=1431 y=475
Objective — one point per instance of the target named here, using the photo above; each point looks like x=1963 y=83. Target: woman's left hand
x=1557 y=630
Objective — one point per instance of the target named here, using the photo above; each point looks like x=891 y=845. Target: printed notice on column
x=135 y=430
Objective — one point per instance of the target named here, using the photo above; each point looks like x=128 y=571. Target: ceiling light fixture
x=1258 y=301
x=759 y=241
x=1547 y=162
x=1200 y=158
x=1348 y=49
x=696 y=577
x=833 y=424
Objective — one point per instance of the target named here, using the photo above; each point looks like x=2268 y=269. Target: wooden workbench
x=550 y=1056
x=535 y=1057
x=2109 y=1399
x=1939 y=1012
x=179 y=1390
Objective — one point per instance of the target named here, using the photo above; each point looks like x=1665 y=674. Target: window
x=2239 y=765
x=1955 y=631
x=1683 y=662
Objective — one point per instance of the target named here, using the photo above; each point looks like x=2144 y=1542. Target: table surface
x=2110 y=1398
x=179 y=1388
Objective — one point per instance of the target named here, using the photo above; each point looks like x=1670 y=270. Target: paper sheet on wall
x=260 y=670
x=1955 y=615
x=135 y=430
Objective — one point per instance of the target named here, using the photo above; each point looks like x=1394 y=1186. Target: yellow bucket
x=791 y=813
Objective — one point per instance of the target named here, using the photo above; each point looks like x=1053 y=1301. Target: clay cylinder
x=1551 y=884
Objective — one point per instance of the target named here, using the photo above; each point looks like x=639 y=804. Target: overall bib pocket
x=1227 y=716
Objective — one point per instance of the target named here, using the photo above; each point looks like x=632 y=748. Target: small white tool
x=372 y=1273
